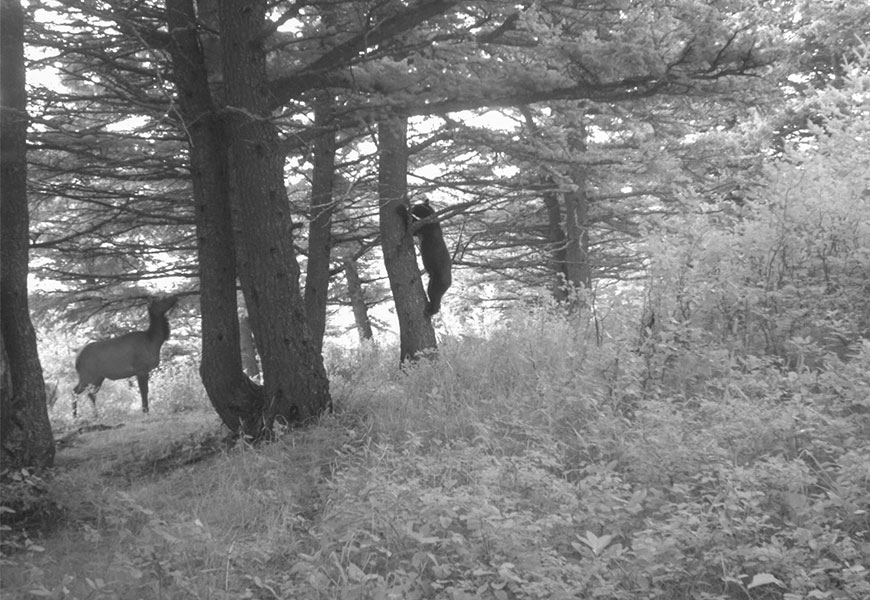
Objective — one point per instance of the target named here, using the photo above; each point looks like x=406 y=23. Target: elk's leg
x=78 y=389
x=143 y=390
x=92 y=389
x=92 y=394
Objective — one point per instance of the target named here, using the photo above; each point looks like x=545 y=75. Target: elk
x=135 y=353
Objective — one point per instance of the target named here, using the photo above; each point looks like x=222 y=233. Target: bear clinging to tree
x=433 y=250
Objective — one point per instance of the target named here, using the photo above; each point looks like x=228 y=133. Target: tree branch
x=287 y=88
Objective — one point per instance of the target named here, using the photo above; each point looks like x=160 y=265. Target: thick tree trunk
x=357 y=300
x=416 y=333
x=569 y=243
x=320 y=220
x=297 y=389
x=577 y=268
x=556 y=243
x=237 y=400
x=25 y=432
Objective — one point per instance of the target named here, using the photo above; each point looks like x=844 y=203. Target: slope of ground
x=530 y=466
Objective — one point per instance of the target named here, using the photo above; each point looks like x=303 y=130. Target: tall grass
x=540 y=462
x=174 y=387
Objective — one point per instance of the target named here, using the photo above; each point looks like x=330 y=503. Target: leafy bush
x=26 y=509
x=543 y=462
x=787 y=274
x=177 y=387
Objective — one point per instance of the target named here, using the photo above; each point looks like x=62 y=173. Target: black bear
x=433 y=250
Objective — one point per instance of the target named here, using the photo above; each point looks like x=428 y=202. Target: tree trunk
x=568 y=240
x=416 y=333
x=577 y=268
x=237 y=400
x=25 y=431
x=556 y=243
x=569 y=247
x=320 y=219
x=297 y=389
x=357 y=300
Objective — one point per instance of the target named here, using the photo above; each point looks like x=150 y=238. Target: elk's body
x=132 y=354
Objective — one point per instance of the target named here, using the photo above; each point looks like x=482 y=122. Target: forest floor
x=124 y=444
x=521 y=467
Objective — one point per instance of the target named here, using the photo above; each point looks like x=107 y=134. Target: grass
x=533 y=464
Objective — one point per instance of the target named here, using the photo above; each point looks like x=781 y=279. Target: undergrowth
x=533 y=464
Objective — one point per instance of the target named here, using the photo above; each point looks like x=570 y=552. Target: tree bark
x=416 y=333
x=357 y=300
x=568 y=242
x=320 y=220
x=25 y=431
x=237 y=400
x=297 y=389
x=577 y=268
x=555 y=242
